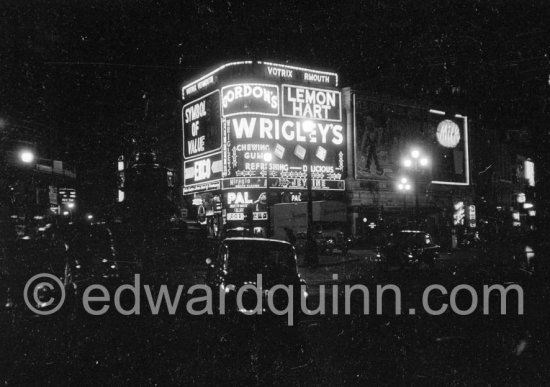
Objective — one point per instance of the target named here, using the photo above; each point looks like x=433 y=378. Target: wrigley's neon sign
x=289 y=130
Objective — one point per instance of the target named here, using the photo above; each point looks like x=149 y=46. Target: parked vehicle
x=336 y=241
x=93 y=257
x=239 y=261
x=410 y=248
x=29 y=257
x=328 y=242
x=237 y=232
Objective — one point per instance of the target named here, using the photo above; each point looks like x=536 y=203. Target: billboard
x=241 y=111
x=236 y=203
x=201 y=125
x=262 y=70
x=385 y=134
x=311 y=103
x=203 y=169
x=307 y=132
x=250 y=98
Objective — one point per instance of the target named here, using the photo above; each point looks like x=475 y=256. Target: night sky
x=106 y=73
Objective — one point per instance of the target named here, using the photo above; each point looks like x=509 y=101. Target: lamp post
x=404 y=186
x=312 y=257
x=416 y=161
x=27 y=156
x=308 y=127
x=267 y=158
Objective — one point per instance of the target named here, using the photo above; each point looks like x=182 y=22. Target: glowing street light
x=404 y=186
x=416 y=160
x=415 y=163
x=26 y=156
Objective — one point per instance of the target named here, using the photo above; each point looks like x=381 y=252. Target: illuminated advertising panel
x=275 y=72
x=385 y=134
x=294 y=113
x=201 y=126
x=312 y=134
x=237 y=201
x=203 y=169
x=202 y=187
x=311 y=103
x=250 y=98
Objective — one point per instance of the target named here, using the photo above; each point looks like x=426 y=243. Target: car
x=240 y=260
x=28 y=257
x=409 y=248
x=328 y=242
x=93 y=256
x=237 y=232
x=336 y=240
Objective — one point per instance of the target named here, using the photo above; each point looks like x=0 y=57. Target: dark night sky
x=83 y=67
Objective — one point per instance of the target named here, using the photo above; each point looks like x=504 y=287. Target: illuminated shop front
x=240 y=113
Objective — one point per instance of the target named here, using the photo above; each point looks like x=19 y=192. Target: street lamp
x=267 y=158
x=308 y=127
x=416 y=162
x=26 y=156
x=311 y=251
x=404 y=186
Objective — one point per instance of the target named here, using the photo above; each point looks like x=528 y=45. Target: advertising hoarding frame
x=282 y=110
x=220 y=126
x=215 y=81
x=276 y=86
x=194 y=160
x=465 y=133
x=466 y=153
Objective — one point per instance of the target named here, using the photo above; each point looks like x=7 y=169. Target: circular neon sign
x=448 y=134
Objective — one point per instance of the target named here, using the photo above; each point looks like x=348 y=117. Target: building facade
x=410 y=166
x=252 y=130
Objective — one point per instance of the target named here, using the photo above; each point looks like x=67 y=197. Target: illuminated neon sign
x=292 y=148
x=293 y=113
x=260 y=70
x=203 y=169
x=312 y=103
x=448 y=134
x=202 y=125
x=264 y=128
x=251 y=98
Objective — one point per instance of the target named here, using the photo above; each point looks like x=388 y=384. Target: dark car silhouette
x=410 y=248
x=239 y=261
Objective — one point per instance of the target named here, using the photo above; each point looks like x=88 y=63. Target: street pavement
x=357 y=348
